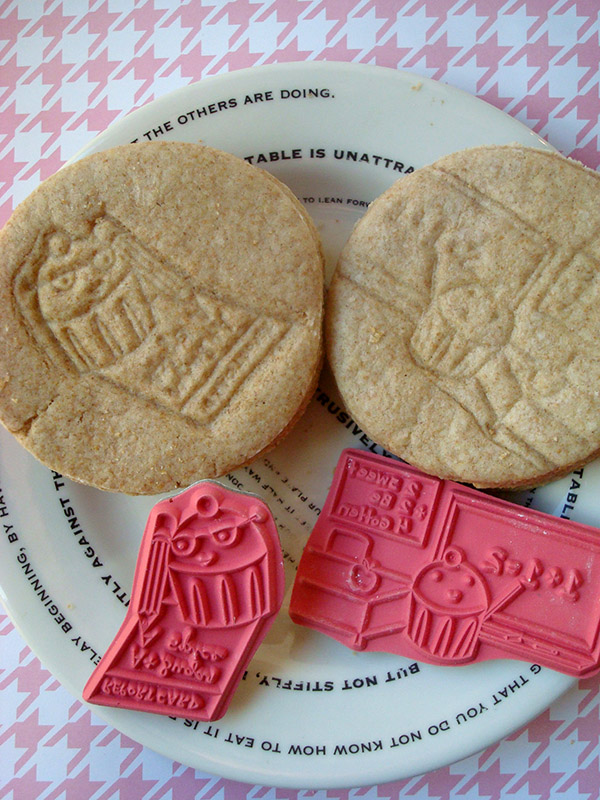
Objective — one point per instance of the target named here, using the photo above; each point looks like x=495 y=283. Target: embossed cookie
x=162 y=309
x=463 y=321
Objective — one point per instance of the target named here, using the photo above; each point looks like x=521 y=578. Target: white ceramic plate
x=309 y=714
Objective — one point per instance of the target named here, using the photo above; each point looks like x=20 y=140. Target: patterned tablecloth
x=67 y=70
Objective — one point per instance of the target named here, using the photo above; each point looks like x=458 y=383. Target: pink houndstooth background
x=70 y=68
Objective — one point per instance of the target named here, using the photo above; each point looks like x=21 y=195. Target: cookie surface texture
x=463 y=320
x=162 y=314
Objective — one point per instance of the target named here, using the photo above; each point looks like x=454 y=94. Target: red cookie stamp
x=208 y=583
x=406 y=563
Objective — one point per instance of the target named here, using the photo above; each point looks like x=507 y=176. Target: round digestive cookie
x=463 y=320
x=162 y=315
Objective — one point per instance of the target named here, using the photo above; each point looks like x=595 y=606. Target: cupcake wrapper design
x=106 y=304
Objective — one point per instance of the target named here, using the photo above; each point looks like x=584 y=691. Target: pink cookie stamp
x=429 y=569
x=208 y=583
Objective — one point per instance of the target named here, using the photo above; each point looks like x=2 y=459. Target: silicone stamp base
x=406 y=563
x=208 y=583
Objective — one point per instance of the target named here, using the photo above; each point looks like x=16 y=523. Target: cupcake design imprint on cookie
x=107 y=304
x=486 y=339
x=463 y=317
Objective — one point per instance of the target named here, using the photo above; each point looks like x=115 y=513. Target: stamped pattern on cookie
x=107 y=304
x=484 y=336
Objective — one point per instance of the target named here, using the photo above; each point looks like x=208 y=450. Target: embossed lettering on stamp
x=486 y=579
x=208 y=581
